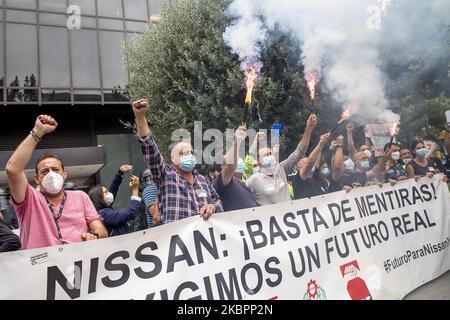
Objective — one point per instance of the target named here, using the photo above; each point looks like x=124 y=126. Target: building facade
x=64 y=58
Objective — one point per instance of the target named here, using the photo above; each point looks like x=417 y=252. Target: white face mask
x=53 y=182
x=109 y=198
x=395 y=156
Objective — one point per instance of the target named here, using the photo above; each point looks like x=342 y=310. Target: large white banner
x=373 y=243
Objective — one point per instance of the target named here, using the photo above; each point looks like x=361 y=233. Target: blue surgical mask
x=188 y=163
x=326 y=172
x=421 y=153
x=268 y=162
x=365 y=165
x=349 y=165
x=240 y=166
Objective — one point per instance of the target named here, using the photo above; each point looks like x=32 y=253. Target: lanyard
x=57 y=217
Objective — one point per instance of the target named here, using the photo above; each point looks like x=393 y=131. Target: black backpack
x=140 y=222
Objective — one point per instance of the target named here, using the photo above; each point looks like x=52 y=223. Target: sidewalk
x=438 y=289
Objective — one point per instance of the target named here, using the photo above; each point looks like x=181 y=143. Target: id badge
x=201 y=193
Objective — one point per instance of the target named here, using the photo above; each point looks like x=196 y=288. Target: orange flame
x=395 y=129
x=250 y=78
x=346 y=115
x=311 y=81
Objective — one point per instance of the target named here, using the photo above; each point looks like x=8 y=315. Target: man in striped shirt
x=183 y=191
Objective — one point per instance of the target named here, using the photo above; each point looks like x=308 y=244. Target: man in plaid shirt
x=183 y=191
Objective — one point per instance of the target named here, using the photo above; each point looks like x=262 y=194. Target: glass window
x=88 y=23
x=87 y=6
x=136 y=9
x=135 y=26
x=110 y=24
x=110 y=8
x=21 y=54
x=2 y=75
x=53 y=5
x=154 y=6
x=53 y=95
x=54 y=55
x=113 y=71
x=23 y=95
x=20 y=16
x=25 y=4
x=87 y=95
x=53 y=19
x=85 y=59
x=116 y=95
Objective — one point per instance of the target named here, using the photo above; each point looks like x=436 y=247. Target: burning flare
x=250 y=78
x=394 y=129
x=311 y=81
x=346 y=115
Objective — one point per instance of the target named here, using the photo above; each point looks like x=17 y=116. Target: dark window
x=21 y=48
x=54 y=55
x=110 y=8
x=87 y=95
x=113 y=71
x=136 y=9
x=54 y=95
x=85 y=59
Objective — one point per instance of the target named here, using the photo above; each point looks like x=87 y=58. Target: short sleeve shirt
x=37 y=226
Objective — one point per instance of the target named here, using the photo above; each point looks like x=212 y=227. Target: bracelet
x=35 y=136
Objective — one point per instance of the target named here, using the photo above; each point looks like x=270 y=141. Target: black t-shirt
x=355 y=180
x=310 y=187
x=236 y=195
x=422 y=171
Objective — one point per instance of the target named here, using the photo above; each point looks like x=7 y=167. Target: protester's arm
x=379 y=167
x=15 y=168
x=229 y=167
x=350 y=142
x=290 y=163
x=410 y=172
x=314 y=157
x=117 y=180
x=214 y=204
x=152 y=155
x=253 y=151
x=338 y=159
x=447 y=139
x=97 y=228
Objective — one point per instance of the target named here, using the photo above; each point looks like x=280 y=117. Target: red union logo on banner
x=356 y=286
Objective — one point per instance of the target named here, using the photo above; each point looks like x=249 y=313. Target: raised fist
x=340 y=140
x=125 y=168
x=134 y=183
x=44 y=124
x=141 y=107
x=350 y=127
x=312 y=121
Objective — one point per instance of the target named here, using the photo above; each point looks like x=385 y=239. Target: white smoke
x=340 y=42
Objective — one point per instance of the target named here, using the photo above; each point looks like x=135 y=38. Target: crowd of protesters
x=55 y=213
